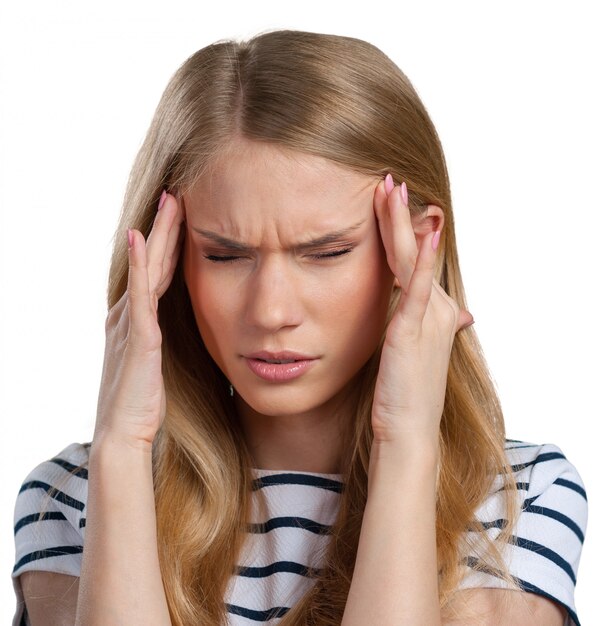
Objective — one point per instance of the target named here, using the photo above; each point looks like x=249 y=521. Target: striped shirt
x=289 y=531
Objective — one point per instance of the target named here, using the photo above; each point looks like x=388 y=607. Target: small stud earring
x=231 y=390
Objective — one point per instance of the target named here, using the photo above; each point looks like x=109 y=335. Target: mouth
x=279 y=357
x=279 y=367
x=279 y=361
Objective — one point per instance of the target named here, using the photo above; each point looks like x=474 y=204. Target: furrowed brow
x=225 y=242
x=329 y=238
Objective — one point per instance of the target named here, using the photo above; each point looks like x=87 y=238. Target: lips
x=274 y=357
x=278 y=367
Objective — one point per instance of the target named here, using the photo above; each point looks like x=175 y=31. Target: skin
x=277 y=296
x=52 y=601
x=330 y=308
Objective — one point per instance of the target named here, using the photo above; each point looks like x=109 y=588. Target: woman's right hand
x=131 y=402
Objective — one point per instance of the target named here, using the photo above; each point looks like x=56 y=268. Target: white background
x=512 y=88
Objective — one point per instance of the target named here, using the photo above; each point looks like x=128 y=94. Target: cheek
x=359 y=299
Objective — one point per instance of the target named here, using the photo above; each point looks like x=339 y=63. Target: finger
x=414 y=301
x=141 y=311
x=381 y=210
x=396 y=231
x=404 y=239
x=158 y=238
x=172 y=252
x=383 y=220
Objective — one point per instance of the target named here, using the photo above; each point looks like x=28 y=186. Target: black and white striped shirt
x=289 y=527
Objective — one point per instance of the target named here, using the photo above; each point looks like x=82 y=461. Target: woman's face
x=287 y=275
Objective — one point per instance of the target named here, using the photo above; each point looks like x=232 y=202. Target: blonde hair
x=343 y=99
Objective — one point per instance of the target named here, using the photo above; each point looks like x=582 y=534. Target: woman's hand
x=132 y=403
x=412 y=378
x=396 y=562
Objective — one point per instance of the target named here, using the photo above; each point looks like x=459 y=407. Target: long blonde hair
x=343 y=99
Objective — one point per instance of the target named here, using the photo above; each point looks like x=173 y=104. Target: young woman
x=295 y=421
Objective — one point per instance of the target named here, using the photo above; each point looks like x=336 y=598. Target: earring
x=231 y=390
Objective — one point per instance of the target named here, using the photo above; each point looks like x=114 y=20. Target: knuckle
x=450 y=316
x=446 y=313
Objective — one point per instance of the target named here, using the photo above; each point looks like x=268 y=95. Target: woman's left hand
x=410 y=388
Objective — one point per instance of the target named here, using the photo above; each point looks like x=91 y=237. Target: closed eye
x=216 y=258
x=221 y=259
x=331 y=254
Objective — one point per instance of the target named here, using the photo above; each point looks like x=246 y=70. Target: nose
x=273 y=298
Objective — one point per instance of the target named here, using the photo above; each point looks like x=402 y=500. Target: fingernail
x=435 y=242
x=404 y=193
x=130 y=237
x=162 y=199
x=388 y=184
x=468 y=324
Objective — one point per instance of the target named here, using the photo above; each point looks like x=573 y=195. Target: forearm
x=395 y=577
x=120 y=576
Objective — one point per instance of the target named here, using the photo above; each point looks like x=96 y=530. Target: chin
x=290 y=400
x=279 y=404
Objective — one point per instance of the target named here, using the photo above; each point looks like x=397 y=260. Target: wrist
x=416 y=447
x=120 y=473
x=107 y=439
x=415 y=457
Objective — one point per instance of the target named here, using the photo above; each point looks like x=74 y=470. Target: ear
x=424 y=223
x=428 y=222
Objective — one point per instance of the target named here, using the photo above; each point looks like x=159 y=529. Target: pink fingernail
x=404 y=193
x=130 y=237
x=162 y=199
x=388 y=184
x=435 y=242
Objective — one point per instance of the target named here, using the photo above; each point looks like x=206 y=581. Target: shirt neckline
x=259 y=472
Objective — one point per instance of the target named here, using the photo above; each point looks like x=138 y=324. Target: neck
x=308 y=442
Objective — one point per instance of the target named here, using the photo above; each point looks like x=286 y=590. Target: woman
x=295 y=422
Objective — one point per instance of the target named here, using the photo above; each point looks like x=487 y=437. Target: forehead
x=259 y=182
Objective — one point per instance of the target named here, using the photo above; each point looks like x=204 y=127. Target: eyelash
x=221 y=259
x=325 y=255
x=332 y=254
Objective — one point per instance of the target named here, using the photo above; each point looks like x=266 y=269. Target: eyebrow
x=329 y=238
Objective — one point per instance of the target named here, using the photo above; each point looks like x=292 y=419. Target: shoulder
x=545 y=547
x=538 y=466
x=552 y=495
x=49 y=515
